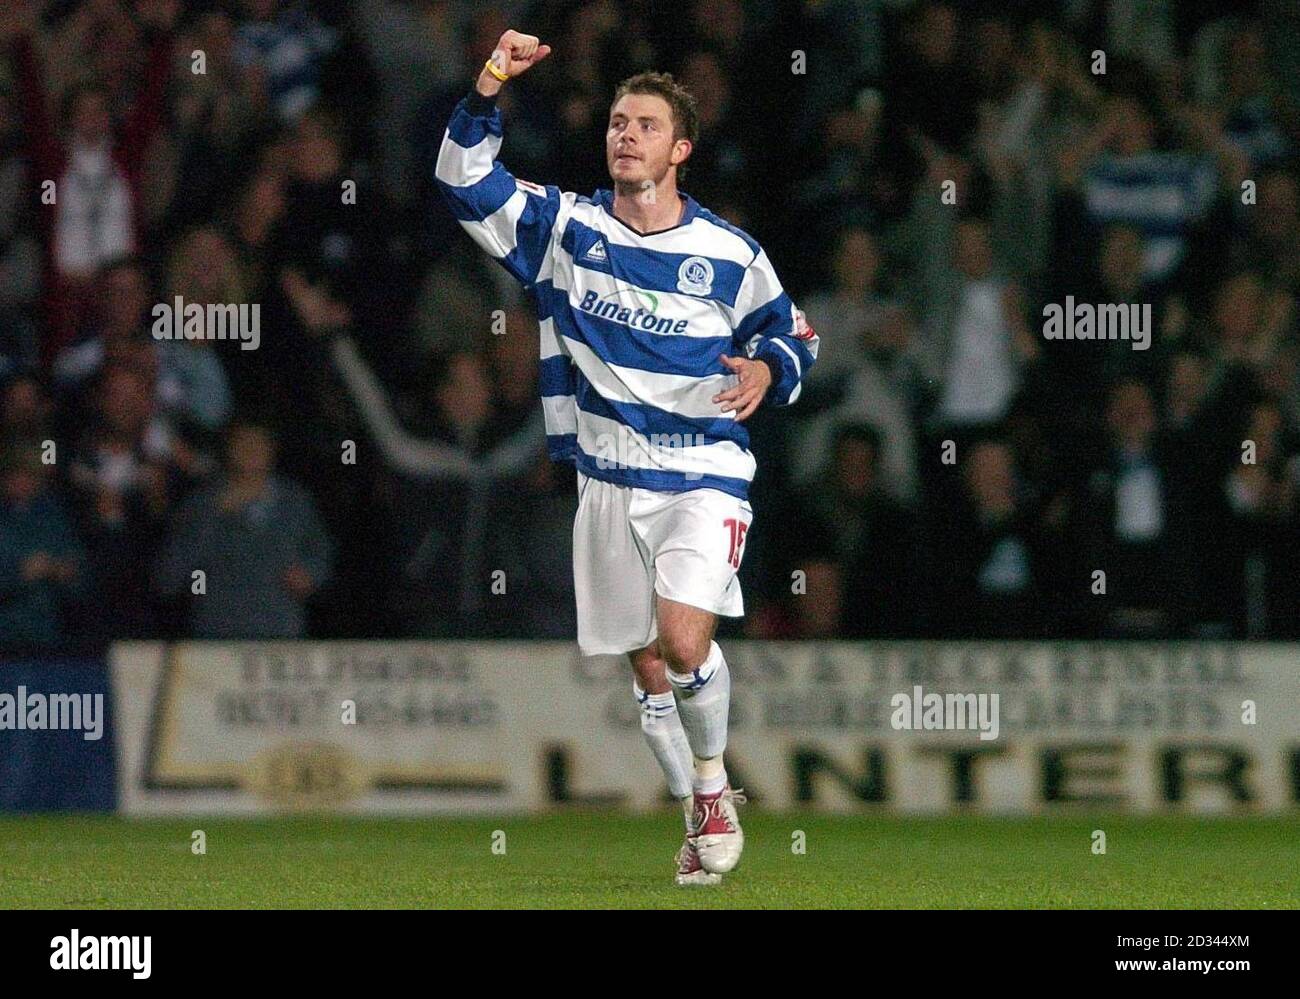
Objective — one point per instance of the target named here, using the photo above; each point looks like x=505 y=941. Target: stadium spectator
x=871 y=535
x=258 y=541
x=724 y=166
x=1260 y=553
x=123 y=472
x=884 y=388
x=989 y=566
x=117 y=325
x=843 y=311
x=1135 y=527
x=931 y=92
x=220 y=116
x=42 y=565
x=531 y=542
x=25 y=409
x=1257 y=117
x=1265 y=241
x=20 y=252
x=96 y=168
x=1158 y=174
x=281 y=46
x=192 y=383
x=976 y=334
x=1114 y=275
x=961 y=167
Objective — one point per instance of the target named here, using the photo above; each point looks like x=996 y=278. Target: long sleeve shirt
x=633 y=325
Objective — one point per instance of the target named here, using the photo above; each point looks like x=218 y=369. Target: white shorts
x=631 y=543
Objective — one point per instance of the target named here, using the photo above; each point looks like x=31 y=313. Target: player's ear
x=681 y=152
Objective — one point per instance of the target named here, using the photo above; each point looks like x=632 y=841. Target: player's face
x=639 y=145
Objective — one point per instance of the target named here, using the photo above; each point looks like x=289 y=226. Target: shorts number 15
x=738 y=529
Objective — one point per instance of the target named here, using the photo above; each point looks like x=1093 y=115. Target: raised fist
x=516 y=52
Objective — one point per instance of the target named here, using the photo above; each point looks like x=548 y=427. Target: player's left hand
x=755 y=379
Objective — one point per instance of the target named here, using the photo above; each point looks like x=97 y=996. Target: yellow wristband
x=491 y=67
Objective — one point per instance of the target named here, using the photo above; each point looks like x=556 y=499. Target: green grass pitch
x=603 y=860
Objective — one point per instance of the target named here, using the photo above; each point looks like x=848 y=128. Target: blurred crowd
x=926 y=176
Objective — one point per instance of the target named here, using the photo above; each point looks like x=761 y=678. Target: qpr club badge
x=695 y=276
